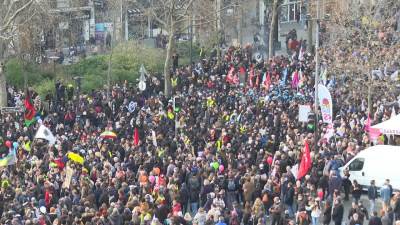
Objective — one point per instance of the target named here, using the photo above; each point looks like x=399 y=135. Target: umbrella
x=108 y=135
x=76 y=158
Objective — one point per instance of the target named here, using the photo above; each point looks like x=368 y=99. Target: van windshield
x=357 y=164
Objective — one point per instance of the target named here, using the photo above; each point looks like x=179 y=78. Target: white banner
x=325 y=102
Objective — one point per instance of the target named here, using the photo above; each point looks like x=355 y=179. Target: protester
x=225 y=153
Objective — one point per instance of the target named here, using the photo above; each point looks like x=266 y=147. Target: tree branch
x=17 y=12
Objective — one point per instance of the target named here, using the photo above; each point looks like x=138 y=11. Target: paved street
x=347 y=206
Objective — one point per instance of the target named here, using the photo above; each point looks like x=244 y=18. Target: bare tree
x=171 y=15
x=273 y=27
x=13 y=16
x=361 y=41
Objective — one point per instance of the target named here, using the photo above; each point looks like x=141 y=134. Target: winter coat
x=375 y=221
x=337 y=213
x=335 y=183
x=327 y=213
x=289 y=196
x=372 y=193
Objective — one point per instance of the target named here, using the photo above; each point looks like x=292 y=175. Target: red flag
x=136 y=137
x=60 y=163
x=29 y=108
x=305 y=163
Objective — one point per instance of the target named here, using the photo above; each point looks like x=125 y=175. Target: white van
x=377 y=163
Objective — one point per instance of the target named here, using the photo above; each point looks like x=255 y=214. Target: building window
x=290 y=11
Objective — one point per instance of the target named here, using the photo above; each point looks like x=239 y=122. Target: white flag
x=295 y=170
x=45 y=133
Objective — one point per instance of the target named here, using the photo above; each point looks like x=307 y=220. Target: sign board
x=68 y=177
x=5 y=110
x=303 y=112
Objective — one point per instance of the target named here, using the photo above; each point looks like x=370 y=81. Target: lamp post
x=191 y=36
x=316 y=65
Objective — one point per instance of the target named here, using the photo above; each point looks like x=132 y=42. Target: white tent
x=391 y=126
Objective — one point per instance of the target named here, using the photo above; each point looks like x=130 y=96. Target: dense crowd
x=223 y=154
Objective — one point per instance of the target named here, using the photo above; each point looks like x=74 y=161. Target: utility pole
x=150 y=30
x=316 y=74
x=109 y=60
x=191 y=37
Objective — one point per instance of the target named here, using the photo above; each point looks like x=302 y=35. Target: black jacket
x=375 y=221
x=337 y=214
x=289 y=196
x=326 y=219
x=372 y=192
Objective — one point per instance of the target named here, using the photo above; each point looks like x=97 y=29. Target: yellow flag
x=76 y=158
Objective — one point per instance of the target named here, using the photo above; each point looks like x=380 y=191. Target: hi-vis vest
x=174 y=82
x=210 y=102
x=219 y=144
x=242 y=129
x=170 y=115
x=227 y=118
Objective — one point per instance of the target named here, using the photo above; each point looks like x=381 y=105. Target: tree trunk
x=273 y=30
x=3 y=87
x=369 y=94
x=167 y=77
x=309 y=35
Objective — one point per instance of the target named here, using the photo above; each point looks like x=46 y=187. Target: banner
x=68 y=177
x=325 y=102
x=10 y=159
x=45 y=133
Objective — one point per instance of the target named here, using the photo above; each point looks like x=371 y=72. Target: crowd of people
x=220 y=152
